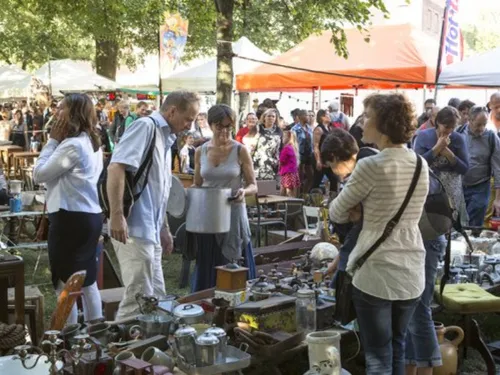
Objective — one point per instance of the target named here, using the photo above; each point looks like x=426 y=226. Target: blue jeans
x=476 y=199
x=422 y=348
x=382 y=327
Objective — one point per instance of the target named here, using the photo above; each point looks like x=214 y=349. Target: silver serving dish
x=235 y=360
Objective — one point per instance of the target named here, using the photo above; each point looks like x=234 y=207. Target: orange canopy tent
x=396 y=56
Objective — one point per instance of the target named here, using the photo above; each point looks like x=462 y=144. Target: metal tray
x=235 y=360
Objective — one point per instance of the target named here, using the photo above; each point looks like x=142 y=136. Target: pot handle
x=188 y=307
x=460 y=332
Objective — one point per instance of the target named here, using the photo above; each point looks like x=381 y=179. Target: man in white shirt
x=140 y=238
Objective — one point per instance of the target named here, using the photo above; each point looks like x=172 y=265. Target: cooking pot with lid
x=209 y=210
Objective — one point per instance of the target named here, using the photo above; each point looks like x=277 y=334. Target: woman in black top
x=18 y=130
x=323 y=128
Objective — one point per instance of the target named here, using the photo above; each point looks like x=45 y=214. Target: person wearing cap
x=337 y=117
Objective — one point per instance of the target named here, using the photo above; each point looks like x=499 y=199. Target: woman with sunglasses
x=69 y=166
x=224 y=163
x=482 y=145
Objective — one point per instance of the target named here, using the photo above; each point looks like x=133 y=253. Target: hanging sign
x=173 y=38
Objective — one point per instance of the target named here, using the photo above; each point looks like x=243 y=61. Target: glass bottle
x=305 y=310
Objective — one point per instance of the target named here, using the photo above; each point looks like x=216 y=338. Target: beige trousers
x=141 y=270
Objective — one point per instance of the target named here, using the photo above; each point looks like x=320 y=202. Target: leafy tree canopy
x=484 y=35
x=276 y=26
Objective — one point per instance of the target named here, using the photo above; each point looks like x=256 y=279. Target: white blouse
x=70 y=171
x=396 y=270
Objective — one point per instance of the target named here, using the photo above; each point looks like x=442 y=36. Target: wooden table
x=12 y=267
x=276 y=199
x=6 y=153
x=20 y=158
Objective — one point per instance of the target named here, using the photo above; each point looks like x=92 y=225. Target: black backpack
x=131 y=180
x=437 y=216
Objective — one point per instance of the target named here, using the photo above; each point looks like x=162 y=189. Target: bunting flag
x=453 y=41
x=173 y=38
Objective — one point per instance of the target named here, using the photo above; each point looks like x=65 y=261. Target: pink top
x=288 y=160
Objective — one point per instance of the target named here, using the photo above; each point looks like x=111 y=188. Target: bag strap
x=146 y=164
x=395 y=220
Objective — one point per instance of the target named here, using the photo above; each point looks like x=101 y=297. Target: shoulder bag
x=131 y=180
x=344 y=308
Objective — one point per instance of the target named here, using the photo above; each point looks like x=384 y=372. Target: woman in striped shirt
x=389 y=284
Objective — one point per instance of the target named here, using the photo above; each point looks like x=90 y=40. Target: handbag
x=344 y=308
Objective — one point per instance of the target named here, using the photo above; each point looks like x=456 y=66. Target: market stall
x=481 y=70
x=14 y=82
x=71 y=75
x=203 y=76
x=396 y=56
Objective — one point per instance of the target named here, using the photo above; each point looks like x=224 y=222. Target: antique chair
x=467 y=300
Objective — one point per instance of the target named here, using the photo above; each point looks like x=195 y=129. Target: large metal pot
x=153 y=324
x=209 y=210
x=189 y=313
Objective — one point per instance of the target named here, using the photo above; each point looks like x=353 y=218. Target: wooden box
x=324 y=315
x=231 y=280
x=271 y=314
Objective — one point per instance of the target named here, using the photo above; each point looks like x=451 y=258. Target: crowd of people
x=371 y=164
x=394 y=287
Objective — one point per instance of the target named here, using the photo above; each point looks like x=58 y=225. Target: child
x=187 y=155
x=289 y=165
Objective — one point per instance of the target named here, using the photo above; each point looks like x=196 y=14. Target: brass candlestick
x=54 y=355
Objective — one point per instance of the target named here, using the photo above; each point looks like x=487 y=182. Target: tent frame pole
x=440 y=51
x=160 y=88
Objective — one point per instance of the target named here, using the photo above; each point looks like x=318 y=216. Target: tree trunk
x=224 y=50
x=106 y=58
x=244 y=99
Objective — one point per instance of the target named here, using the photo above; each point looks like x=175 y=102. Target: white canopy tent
x=14 y=82
x=480 y=70
x=144 y=77
x=72 y=75
x=203 y=77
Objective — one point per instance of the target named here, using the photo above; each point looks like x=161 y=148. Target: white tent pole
x=319 y=98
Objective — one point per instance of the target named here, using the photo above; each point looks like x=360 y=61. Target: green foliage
x=484 y=35
x=277 y=25
x=29 y=35
x=33 y=30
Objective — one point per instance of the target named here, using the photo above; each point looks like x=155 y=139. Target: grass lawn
x=473 y=365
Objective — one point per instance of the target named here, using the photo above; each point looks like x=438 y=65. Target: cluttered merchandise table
x=279 y=323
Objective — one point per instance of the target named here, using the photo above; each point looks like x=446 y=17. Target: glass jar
x=305 y=311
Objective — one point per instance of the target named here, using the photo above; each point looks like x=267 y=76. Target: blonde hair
x=295 y=144
x=268 y=111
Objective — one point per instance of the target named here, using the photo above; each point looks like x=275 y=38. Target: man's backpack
x=437 y=216
x=338 y=121
x=131 y=180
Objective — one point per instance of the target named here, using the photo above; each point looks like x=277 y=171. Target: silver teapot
x=185 y=342
x=207 y=349
x=222 y=336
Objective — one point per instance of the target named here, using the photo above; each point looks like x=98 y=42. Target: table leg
x=4 y=312
x=19 y=294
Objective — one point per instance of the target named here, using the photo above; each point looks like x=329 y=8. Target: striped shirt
x=395 y=271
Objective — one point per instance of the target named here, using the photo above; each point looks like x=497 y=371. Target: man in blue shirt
x=140 y=239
